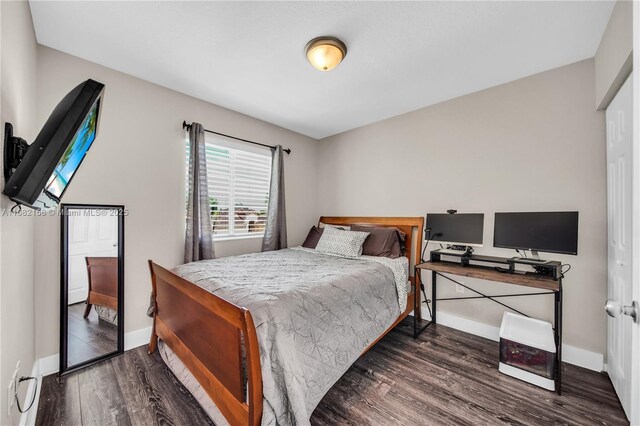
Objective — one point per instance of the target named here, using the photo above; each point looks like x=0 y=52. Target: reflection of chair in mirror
x=103 y=287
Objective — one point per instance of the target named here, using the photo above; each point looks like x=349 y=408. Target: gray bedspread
x=314 y=315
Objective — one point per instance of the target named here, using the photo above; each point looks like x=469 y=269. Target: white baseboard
x=583 y=358
x=137 y=338
x=469 y=326
x=49 y=364
x=570 y=354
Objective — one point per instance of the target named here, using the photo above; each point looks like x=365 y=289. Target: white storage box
x=528 y=350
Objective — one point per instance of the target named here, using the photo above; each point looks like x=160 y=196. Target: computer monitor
x=553 y=232
x=463 y=229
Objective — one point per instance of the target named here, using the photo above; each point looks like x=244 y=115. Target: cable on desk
x=562 y=272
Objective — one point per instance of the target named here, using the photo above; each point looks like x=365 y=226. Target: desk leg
x=434 y=276
x=416 y=299
x=417 y=304
x=558 y=336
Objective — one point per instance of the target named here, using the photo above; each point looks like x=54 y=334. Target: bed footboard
x=205 y=331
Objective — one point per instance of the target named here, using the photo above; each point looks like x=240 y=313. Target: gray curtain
x=275 y=233
x=198 y=243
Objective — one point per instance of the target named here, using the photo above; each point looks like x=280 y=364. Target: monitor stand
x=535 y=255
x=533 y=260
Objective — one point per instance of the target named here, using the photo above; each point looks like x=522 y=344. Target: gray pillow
x=313 y=237
x=385 y=242
x=341 y=243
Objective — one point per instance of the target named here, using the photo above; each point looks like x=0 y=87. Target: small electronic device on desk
x=553 y=268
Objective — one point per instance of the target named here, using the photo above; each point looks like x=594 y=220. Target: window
x=238 y=188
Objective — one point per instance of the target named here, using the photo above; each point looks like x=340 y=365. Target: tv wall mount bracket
x=15 y=149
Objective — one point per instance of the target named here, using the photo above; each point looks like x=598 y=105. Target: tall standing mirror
x=92 y=284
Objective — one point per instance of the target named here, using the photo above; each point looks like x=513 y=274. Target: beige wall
x=138 y=160
x=17 y=90
x=478 y=153
x=613 y=60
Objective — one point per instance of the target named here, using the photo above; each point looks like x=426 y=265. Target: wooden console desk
x=531 y=280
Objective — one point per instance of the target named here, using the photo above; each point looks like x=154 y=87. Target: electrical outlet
x=459 y=288
x=10 y=398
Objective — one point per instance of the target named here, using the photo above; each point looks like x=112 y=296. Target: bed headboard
x=412 y=226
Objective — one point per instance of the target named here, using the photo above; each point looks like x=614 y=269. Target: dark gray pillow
x=313 y=237
x=386 y=242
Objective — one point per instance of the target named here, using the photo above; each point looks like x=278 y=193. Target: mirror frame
x=64 y=285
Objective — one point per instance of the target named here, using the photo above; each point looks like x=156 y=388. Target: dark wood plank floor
x=89 y=337
x=446 y=377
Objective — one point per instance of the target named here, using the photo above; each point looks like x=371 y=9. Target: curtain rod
x=187 y=127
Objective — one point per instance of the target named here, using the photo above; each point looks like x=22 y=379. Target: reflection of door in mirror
x=89 y=235
x=92 y=248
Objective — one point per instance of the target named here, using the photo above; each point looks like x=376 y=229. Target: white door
x=620 y=327
x=91 y=233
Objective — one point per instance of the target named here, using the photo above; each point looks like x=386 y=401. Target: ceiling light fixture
x=325 y=53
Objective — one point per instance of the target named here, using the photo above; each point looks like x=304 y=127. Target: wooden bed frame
x=206 y=331
x=102 y=273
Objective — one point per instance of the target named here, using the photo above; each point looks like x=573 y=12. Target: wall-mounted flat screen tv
x=43 y=174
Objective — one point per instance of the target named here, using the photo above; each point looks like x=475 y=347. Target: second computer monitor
x=465 y=229
x=552 y=232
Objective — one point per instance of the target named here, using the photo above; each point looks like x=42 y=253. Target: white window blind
x=238 y=189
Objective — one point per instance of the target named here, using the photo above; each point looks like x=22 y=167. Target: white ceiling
x=249 y=56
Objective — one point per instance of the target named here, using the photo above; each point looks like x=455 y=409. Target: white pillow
x=341 y=243
x=326 y=225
